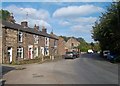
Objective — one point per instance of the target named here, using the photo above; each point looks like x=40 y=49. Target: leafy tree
x=92 y=45
x=84 y=46
x=4 y=14
x=106 y=31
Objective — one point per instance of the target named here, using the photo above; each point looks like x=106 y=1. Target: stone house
x=20 y=42
x=61 y=46
x=71 y=45
x=53 y=45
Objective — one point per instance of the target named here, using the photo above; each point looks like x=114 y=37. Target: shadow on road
x=94 y=56
x=6 y=69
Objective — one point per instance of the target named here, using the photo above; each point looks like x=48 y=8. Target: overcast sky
x=64 y=18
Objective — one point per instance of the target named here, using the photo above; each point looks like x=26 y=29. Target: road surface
x=88 y=69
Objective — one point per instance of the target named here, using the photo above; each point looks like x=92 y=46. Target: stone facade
x=71 y=45
x=61 y=46
x=53 y=45
x=21 y=42
x=9 y=41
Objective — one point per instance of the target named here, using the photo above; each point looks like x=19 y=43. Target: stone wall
x=28 y=39
x=61 y=46
x=51 y=47
x=69 y=43
x=9 y=40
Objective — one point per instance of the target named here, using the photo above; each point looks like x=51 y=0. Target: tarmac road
x=87 y=69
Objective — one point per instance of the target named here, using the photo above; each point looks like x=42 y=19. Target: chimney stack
x=36 y=28
x=51 y=32
x=24 y=24
x=44 y=30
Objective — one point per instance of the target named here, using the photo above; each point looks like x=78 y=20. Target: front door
x=30 y=52
x=10 y=54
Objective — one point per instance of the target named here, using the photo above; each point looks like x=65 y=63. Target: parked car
x=105 y=53
x=76 y=54
x=111 y=56
x=70 y=55
x=90 y=51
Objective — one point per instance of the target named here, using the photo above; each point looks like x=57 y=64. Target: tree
x=4 y=14
x=84 y=46
x=106 y=31
x=92 y=45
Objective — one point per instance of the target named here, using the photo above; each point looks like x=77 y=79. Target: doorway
x=30 y=52
x=9 y=49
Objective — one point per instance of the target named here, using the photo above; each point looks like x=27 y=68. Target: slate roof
x=54 y=36
x=16 y=26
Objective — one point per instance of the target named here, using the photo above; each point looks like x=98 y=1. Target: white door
x=10 y=54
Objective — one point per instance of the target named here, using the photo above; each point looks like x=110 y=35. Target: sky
x=63 y=18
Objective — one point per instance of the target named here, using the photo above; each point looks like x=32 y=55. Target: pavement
x=87 y=69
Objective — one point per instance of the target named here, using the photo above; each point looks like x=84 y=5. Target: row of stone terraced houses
x=20 y=42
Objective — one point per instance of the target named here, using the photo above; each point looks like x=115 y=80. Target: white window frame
x=20 y=50
x=47 y=41
x=36 y=39
x=46 y=51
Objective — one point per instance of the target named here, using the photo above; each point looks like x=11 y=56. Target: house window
x=20 y=52
x=20 y=37
x=36 y=39
x=55 y=43
x=72 y=44
x=46 y=41
x=46 y=51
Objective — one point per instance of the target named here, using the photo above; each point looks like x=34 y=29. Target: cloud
x=40 y=23
x=57 y=0
x=81 y=28
x=72 y=11
x=32 y=22
x=84 y=20
x=32 y=13
x=64 y=23
x=38 y=17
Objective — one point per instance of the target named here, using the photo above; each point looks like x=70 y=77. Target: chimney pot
x=44 y=30
x=36 y=28
x=24 y=24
